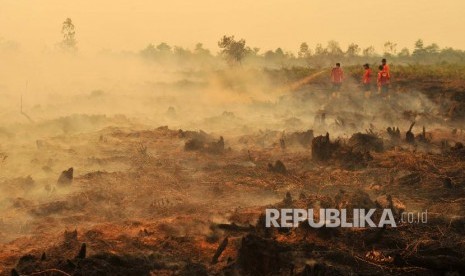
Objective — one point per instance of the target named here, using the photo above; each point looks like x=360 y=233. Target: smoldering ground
x=176 y=149
x=57 y=99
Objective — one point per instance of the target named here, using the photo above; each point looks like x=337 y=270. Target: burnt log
x=220 y=250
x=234 y=227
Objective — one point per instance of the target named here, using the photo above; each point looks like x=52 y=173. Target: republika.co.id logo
x=288 y=218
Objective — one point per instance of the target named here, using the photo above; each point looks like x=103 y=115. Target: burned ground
x=124 y=198
x=169 y=220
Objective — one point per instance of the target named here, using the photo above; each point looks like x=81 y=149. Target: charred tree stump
x=409 y=136
x=66 y=178
x=322 y=148
x=422 y=137
x=82 y=252
x=278 y=167
x=394 y=133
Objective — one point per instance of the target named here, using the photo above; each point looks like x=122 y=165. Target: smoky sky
x=130 y=25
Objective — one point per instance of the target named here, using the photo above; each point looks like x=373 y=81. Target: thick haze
x=57 y=108
x=268 y=24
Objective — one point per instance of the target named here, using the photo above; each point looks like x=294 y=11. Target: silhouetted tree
x=69 y=42
x=180 y=52
x=319 y=50
x=419 y=48
x=432 y=49
x=200 y=50
x=334 y=49
x=353 y=50
x=369 y=51
x=304 y=51
x=279 y=52
x=404 y=53
x=164 y=48
x=255 y=51
x=149 y=52
x=234 y=51
x=390 y=48
x=452 y=55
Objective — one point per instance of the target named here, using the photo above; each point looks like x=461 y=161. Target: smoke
x=58 y=108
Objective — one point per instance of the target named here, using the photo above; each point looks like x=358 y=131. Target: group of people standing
x=383 y=78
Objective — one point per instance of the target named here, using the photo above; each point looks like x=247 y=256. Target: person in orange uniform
x=337 y=76
x=366 y=80
x=383 y=81
x=386 y=69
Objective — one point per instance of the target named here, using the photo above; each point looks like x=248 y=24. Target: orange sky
x=131 y=25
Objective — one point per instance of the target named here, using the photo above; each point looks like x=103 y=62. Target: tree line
x=236 y=51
